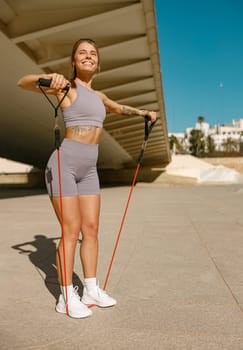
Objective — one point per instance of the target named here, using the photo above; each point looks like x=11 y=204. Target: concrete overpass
x=37 y=36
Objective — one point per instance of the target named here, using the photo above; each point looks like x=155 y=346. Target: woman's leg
x=71 y=230
x=89 y=213
x=89 y=206
x=69 y=300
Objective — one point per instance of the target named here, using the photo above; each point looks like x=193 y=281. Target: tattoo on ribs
x=82 y=130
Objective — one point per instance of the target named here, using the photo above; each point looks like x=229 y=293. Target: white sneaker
x=76 y=308
x=98 y=297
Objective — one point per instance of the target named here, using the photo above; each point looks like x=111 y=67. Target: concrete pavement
x=177 y=275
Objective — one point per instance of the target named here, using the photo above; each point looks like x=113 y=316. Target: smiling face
x=85 y=58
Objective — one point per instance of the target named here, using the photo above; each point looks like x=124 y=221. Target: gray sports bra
x=86 y=109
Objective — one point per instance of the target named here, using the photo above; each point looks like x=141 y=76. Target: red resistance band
x=147 y=130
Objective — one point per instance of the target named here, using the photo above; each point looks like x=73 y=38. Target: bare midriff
x=84 y=133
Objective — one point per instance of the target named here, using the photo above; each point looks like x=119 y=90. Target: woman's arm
x=114 y=107
x=30 y=82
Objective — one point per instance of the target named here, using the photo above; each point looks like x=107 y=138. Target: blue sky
x=201 y=56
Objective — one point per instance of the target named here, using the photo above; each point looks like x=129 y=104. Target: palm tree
x=197 y=143
x=200 y=119
x=200 y=123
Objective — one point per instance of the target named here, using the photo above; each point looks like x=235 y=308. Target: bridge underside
x=37 y=37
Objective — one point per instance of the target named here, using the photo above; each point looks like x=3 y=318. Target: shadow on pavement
x=20 y=192
x=42 y=254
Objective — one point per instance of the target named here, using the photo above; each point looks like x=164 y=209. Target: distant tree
x=210 y=144
x=241 y=143
x=201 y=124
x=200 y=119
x=175 y=144
x=229 y=145
x=197 y=143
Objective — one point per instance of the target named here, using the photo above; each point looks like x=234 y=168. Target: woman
x=84 y=111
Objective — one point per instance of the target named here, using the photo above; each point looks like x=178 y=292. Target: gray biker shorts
x=77 y=167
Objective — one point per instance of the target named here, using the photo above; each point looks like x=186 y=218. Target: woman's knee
x=90 y=230
x=72 y=232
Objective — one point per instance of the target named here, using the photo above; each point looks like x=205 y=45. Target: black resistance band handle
x=57 y=134
x=147 y=128
x=147 y=131
x=47 y=82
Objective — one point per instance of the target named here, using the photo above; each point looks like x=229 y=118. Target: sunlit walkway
x=177 y=275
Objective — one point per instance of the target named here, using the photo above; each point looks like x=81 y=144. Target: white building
x=221 y=134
